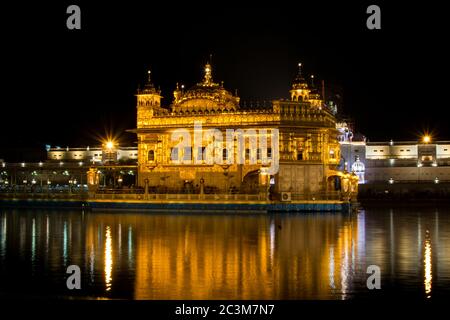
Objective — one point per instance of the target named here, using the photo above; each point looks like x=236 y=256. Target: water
x=203 y=256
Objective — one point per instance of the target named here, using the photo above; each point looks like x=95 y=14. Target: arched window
x=300 y=154
x=224 y=154
x=300 y=150
x=151 y=155
x=187 y=153
x=174 y=154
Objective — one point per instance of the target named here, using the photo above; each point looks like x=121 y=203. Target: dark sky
x=68 y=87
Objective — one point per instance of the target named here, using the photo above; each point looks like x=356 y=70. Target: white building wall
x=399 y=161
x=403 y=151
x=443 y=151
x=377 y=152
x=407 y=174
x=79 y=154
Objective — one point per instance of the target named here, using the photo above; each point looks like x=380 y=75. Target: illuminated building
x=394 y=161
x=93 y=155
x=67 y=167
x=306 y=144
x=287 y=150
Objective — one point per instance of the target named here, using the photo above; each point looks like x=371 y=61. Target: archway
x=250 y=183
x=334 y=183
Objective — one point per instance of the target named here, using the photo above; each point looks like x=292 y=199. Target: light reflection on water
x=428 y=266
x=3 y=232
x=291 y=256
x=108 y=259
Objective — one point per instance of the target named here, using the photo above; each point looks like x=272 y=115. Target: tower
x=148 y=100
x=300 y=90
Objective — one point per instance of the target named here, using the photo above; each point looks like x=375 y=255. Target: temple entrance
x=250 y=183
x=334 y=183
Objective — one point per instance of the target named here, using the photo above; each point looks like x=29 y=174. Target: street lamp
x=70 y=186
x=48 y=185
x=109 y=151
x=426 y=139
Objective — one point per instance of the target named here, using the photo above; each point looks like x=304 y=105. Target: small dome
x=149 y=88
x=299 y=81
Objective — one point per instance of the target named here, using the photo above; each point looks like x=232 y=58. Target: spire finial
x=207 y=78
x=148 y=87
x=208 y=74
x=299 y=81
x=149 y=83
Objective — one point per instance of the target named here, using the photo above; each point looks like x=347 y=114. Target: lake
x=129 y=255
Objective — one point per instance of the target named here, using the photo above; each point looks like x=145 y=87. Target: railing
x=43 y=196
x=333 y=195
x=167 y=197
x=178 y=197
x=330 y=195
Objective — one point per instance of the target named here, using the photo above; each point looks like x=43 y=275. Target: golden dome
x=205 y=96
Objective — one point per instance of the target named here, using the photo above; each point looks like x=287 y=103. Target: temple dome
x=205 y=96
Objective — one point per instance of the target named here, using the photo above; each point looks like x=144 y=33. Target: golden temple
x=287 y=151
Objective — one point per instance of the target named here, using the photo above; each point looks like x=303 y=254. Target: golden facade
x=306 y=145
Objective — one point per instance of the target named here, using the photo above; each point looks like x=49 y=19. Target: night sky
x=72 y=87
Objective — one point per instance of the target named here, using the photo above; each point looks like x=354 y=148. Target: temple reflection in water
x=225 y=257
x=201 y=257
